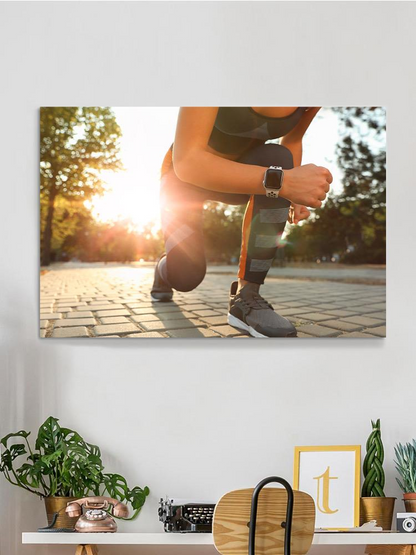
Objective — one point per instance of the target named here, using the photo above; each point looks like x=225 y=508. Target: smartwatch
x=273 y=181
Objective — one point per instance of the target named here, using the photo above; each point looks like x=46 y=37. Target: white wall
x=193 y=418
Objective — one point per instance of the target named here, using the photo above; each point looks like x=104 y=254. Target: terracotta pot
x=57 y=505
x=410 y=502
x=377 y=508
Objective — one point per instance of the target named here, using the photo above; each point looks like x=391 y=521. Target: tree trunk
x=47 y=232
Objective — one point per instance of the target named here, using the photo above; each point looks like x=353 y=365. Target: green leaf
x=22 y=433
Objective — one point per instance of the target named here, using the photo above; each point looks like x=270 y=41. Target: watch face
x=273 y=179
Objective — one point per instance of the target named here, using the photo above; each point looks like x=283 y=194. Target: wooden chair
x=259 y=521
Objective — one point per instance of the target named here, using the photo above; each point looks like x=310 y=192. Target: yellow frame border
x=330 y=448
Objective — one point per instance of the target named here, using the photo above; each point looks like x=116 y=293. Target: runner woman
x=221 y=154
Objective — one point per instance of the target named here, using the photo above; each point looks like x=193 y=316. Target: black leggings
x=182 y=208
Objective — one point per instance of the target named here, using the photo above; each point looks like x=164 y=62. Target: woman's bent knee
x=268 y=155
x=185 y=278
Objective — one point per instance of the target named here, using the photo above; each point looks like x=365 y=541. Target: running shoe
x=161 y=291
x=247 y=310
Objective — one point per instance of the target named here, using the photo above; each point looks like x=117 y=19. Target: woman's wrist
x=285 y=191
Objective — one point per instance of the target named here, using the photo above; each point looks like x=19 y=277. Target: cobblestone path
x=114 y=301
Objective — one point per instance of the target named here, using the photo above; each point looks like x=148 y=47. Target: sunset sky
x=133 y=194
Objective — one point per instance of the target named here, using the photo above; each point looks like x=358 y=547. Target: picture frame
x=331 y=475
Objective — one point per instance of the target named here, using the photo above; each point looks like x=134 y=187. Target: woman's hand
x=307 y=185
x=297 y=213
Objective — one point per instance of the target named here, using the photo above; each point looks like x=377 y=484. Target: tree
x=352 y=224
x=75 y=145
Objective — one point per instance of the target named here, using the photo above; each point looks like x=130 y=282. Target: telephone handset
x=97 y=516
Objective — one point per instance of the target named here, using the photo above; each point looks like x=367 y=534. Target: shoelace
x=257 y=302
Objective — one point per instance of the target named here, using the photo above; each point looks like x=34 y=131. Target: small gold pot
x=410 y=502
x=377 y=508
x=57 y=505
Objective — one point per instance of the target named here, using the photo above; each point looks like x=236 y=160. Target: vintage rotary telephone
x=97 y=516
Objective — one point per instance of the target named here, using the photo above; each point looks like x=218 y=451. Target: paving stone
x=378 y=315
x=343 y=326
x=380 y=331
x=314 y=316
x=147 y=335
x=364 y=321
x=171 y=324
x=115 y=320
x=42 y=333
x=108 y=306
x=54 y=316
x=104 y=313
x=318 y=331
x=72 y=304
x=68 y=322
x=324 y=306
x=79 y=314
x=226 y=331
x=115 y=328
x=205 y=313
x=64 y=310
x=151 y=310
x=70 y=332
x=139 y=304
x=193 y=333
x=379 y=306
x=358 y=335
x=216 y=320
x=340 y=313
x=193 y=307
x=145 y=317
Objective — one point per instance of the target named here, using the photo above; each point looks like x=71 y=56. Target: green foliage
x=351 y=226
x=374 y=478
x=222 y=231
x=76 y=144
x=63 y=464
x=406 y=466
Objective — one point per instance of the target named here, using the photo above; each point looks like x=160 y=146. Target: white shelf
x=123 y=538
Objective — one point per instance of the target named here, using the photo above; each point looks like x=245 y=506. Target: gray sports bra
x=237 y=129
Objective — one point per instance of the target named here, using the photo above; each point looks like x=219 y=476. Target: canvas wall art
x=212 y=222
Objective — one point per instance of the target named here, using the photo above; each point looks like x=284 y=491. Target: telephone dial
x=97 y=513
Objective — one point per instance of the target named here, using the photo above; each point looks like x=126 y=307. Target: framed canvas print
x=212 y=222
x=331 y=476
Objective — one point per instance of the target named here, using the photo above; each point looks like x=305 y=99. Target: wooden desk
x=377 y=543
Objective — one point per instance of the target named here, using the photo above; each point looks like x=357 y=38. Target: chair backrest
x=232 y=516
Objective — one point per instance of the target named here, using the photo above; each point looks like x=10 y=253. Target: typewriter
x=188 y=517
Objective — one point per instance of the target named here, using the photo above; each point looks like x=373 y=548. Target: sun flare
x=136 y=206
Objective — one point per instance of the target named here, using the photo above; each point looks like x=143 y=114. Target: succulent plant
x=374 y=477
x=406 y=466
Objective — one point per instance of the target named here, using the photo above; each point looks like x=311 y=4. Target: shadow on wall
x=27 y=394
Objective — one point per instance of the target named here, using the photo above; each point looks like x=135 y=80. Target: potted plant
x=62 y=467
x=374 y=504
x=406 y=467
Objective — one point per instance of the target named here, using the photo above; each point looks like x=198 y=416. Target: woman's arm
x=193 y=163
x=295 y=148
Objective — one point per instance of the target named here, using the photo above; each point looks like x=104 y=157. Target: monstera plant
x=63 y=465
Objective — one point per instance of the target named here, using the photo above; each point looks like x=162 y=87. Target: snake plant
x=406 y=466
x=374 y=477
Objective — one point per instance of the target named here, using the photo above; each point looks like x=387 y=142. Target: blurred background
x=99 y=189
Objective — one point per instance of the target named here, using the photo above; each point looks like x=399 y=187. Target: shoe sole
x=236 y=323
x=165 y=300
